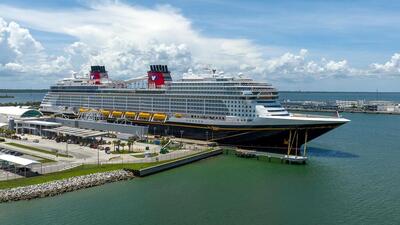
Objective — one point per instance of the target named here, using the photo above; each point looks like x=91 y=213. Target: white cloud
x=21 y=53
x=14 y=67
x=21 y=40
x=390 y=67
x=128 y=38
x=297 y=67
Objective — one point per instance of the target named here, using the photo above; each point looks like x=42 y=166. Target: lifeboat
x=178 y=115
x=159 y=117
x=130 y=115
x=117 y=114
x=144 y=116
x=105 y=113
x=83 y=110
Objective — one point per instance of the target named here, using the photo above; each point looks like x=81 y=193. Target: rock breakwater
x=62 y=186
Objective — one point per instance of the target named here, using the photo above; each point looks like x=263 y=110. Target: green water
x=353 y=178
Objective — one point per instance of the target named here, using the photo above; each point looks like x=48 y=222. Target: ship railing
x=312 y=115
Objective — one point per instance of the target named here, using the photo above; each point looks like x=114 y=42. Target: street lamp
x=66 y=147
x=181 y=133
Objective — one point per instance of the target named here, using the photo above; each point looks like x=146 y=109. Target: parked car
x=36 y=140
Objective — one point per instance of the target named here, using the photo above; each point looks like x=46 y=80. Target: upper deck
x=158 y=81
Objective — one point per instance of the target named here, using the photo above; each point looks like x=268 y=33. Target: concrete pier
x=291 y=159
x=176 y=163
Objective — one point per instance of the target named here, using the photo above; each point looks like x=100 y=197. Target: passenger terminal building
x=25 y=120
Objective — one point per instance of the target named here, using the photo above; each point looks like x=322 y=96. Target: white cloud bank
x=128 y=38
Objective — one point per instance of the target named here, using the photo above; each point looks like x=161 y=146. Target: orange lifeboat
x=144 y=116
x=130 y=115
x=117 y=114
x=105 y=113
x=159 y=117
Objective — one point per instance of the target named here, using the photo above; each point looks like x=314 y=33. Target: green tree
x=118 y=144
x=123 y=144
x=130 y=143
x=115 y=142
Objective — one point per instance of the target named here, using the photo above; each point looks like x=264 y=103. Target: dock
x=176 y=163
x=284 y=158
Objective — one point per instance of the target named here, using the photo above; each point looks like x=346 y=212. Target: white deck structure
x=17 y=160
x=17 y=112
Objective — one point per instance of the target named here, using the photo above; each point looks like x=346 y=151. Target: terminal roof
x=42 y=123
x=77 y=132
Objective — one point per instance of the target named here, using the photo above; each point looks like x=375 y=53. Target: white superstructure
x=212 y=100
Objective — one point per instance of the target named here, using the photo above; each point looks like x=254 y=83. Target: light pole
x=66 y=148
x=98 y=156
x=181 y=133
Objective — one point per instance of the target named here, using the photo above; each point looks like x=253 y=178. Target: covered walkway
x=9 y=162
x=17 y=160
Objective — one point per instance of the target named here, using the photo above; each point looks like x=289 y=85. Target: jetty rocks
x=61 y=186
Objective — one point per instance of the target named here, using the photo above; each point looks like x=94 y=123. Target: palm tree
x=123 y=144
x=118 y=144
x=130 y=143
x=115 y=142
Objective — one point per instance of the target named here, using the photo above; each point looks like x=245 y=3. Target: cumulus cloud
x=128 y=38
x=390 y=67
x=297 y=66
x=21 y=53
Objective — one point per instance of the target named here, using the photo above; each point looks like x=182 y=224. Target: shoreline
x=58 y=187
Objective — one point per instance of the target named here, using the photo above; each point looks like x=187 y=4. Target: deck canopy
x=76 y=132
x=17 y=160
x=19 y=112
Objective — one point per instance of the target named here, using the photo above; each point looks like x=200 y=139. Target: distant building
x=382 y=106
x=35 y=127
x=344 y=104
x=17 y=112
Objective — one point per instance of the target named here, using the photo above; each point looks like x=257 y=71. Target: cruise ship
x=235 y=111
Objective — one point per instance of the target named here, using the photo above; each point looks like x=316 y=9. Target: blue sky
x=296 y=45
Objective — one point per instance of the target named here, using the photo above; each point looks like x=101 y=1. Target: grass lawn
x=41 y=159
x=36 y=149
x=77 y=171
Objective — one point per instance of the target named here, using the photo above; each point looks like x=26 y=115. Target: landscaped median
x=36 y=149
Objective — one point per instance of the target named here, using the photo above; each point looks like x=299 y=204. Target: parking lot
x=102 y=150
